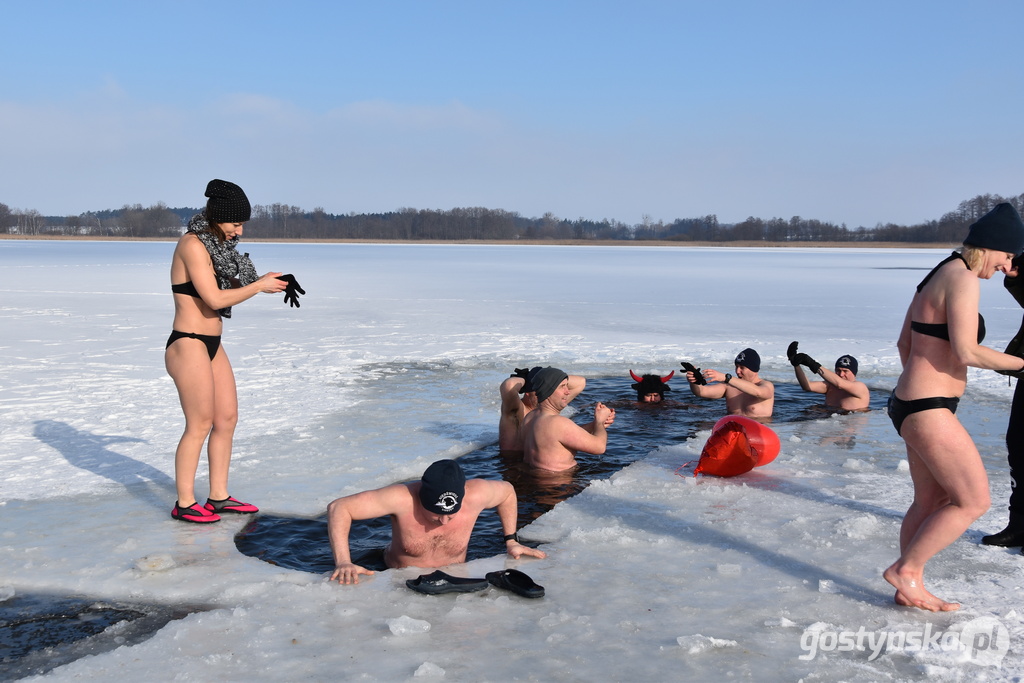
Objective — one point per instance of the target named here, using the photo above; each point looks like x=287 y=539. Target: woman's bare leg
x=950 y=492
x=188 y=363
x=225 y=417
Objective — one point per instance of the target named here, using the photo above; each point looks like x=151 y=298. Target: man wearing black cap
x=514 y=408
x=841 y=388
x=550 y=440
x=745 y=394
x=431 y=519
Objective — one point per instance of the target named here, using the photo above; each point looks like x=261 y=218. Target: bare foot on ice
x=910 y=592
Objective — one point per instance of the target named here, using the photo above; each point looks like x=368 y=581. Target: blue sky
x=853 y=112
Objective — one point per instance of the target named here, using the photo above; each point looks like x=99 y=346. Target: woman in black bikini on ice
x=940 y=339
x=208 y=277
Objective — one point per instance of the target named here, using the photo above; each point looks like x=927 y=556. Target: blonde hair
x=973 y=256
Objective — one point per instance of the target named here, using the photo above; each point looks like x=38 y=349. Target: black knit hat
x=848 y=362
x=1000 y=230
x=546 y=381
x=442 y=487
x=749 y=359
x=227 y=203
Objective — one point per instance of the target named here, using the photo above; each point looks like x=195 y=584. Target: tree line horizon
x=283 y=222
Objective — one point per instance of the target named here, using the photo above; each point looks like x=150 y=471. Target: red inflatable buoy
x=762 y=439
x=726 y=453
x=737 y=444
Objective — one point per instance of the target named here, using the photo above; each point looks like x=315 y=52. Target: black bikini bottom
x=899 y=410
x=212 y=341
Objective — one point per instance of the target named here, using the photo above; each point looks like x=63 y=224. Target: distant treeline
x=278 y=221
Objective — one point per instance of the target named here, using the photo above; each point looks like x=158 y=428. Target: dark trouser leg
x=1013 y=534
x=1015 y=449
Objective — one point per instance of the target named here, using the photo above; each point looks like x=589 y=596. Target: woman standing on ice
x=941 y=337
x=208 y=277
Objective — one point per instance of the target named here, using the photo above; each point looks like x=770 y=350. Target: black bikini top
x=186 y=288
x=941 y=330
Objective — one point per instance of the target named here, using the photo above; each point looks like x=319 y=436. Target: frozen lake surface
x=392 y=362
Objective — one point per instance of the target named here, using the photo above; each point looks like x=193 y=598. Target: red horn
x=633 y=375
x=667 y=377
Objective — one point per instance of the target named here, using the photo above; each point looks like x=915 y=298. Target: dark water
x=301 y=543
x=41 y=632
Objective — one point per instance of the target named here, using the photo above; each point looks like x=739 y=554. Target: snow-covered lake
x=394 y=361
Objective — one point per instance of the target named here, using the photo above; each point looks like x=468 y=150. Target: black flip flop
x=438 y=582
x=517 y=582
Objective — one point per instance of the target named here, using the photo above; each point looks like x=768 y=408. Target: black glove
x=290 y=295
x=698 y=378
x=791 y=353
x=1019 y=374
x=522 y=373
x=527 y=375
x=803 y=359
x=1015 y=348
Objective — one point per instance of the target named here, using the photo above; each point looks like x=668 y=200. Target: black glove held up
x=292 y=291
x=698 y=378
x=527 y=374
x=803 y=359
x=791 y=353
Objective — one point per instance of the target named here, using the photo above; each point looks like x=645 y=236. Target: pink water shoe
x=193 y=513
x=229 y=504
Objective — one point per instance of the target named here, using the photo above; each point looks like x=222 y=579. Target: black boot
x=1010 y=537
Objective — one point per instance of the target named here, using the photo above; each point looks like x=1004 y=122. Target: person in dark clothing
x=1013 y=535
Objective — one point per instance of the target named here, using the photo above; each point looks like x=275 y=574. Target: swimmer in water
x=841 y=388
x=514 y=408
x=550 y=440
x=651 y=388
x=431 y=520
x=745 y=394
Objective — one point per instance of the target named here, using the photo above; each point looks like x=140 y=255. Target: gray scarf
x=232 y=269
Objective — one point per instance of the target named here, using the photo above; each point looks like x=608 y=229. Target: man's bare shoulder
x=556 y=423
x=536 y=419
x=395 y=499
x=483 y=487
x=481 y=483
x=394 y=495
